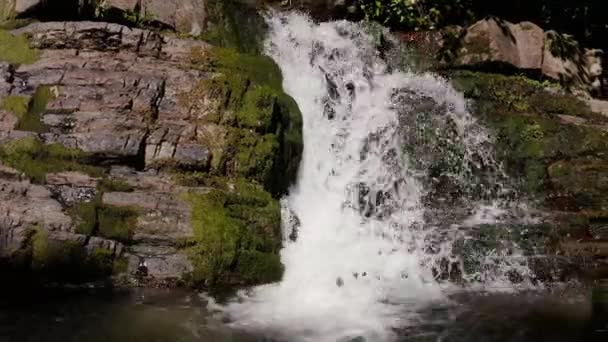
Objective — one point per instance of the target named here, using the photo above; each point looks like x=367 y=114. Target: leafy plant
x=415 y=14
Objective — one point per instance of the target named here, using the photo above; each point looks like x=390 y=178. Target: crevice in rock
x=139 y=162
x=157 y=99
x=62 y=10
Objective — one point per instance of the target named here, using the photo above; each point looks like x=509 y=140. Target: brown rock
x=492 y=40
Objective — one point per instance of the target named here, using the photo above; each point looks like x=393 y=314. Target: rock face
x=555 y=148
x=525 y=46
x=520 y=45
x=115 y=141
x=186 y=16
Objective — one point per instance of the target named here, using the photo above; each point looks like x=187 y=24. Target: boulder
x=525 y=46
x=576 y=68
x=497 y=41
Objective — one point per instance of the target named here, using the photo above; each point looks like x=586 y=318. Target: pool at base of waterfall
x=169 y=315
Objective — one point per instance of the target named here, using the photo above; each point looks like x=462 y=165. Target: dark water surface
x=164 y=315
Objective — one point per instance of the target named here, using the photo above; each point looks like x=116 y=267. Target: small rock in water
x=356 y=275
x=339 y=282
x=351 y=89
x=364 y=274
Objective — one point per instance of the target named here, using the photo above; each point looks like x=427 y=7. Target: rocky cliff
x=136 y=157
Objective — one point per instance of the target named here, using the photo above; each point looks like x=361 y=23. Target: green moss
x=111 y=222
x=237 y=235
x=586 y=179
x=257 y=69
x=16 y=50
x=258 y=267
x=117 y=223
x=529 y=135
x=101 y=260
x=114 y=185
x=30 y=156
x=67 y=261
x=234 y=24
x=265 y=142
x=85 y=219
x=32 y=120
x=258 y=109
x=16 y=104
x=120 y=265
x=254 y=155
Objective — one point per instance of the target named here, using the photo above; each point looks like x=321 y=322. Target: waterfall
x=362 y=244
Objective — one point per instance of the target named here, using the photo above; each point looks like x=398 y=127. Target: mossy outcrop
x=43 y=259
x=263 y=124
x=535 y=127
x=163 y=171
x=35 y=159
x=237 y=235
x=555 y=150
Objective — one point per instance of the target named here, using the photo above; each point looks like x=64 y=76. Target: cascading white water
x=361 y=256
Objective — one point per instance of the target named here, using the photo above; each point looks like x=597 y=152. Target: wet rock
x=339 y=282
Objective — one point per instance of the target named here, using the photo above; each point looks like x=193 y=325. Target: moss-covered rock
x=585 y=180
x=30 y=156
x=234 y=24
x=264 y=140
x=15 y=49
x=44 y=259
x=237 y=235
x=530 y=133
x=31 y=120
x=15 y=104
x=95 y=218
x=29 y=111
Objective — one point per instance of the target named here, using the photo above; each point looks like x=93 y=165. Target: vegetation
x=237 y=235
x=582 y=19
x=30 y=156
x=416 y=14
x=15 y=49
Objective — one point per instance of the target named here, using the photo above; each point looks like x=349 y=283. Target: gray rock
x=186 y=16
x=160 y=262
